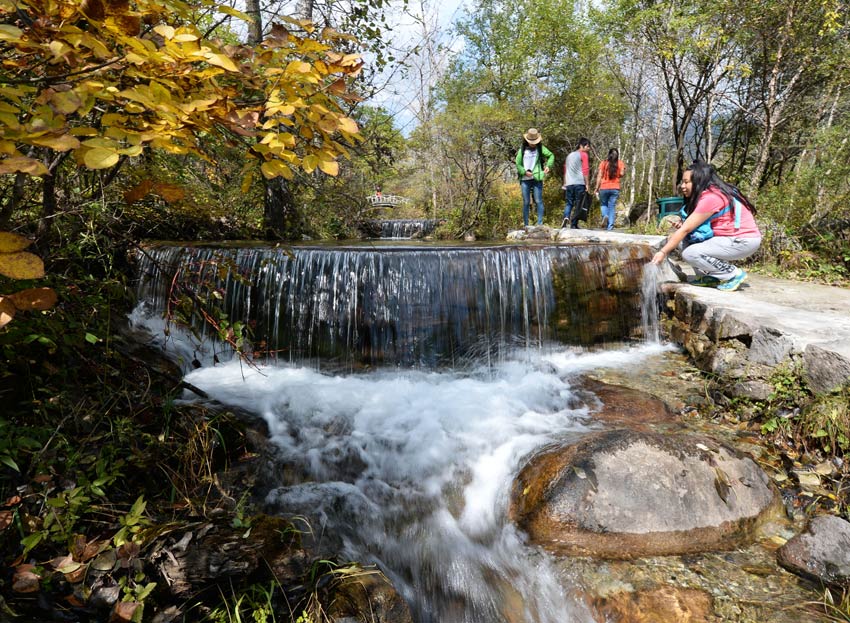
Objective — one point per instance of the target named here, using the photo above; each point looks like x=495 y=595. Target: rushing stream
x=409 y=465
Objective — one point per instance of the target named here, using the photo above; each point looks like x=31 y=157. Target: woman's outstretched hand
x=658 y=258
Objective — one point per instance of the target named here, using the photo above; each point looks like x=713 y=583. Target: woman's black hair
x=703 y=177
x=613 y=161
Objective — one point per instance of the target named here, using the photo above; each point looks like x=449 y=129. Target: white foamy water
x=412 y=470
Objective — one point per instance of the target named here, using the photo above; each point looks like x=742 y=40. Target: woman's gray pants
x=711 y=257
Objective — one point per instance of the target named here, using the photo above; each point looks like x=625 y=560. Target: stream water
x=403 y=452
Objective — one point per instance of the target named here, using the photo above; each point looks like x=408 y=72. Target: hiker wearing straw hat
x=533 y=162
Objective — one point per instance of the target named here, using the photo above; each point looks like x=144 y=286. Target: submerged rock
x=626 y=494
x=821 y=553
x=667 y=603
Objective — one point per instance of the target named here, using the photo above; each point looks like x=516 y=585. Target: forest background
x=164 y=119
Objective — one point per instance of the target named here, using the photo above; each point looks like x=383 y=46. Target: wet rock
x=821 y=553
x=667 y=603
x=626 y=494
x=369 y=596
x=626 y=407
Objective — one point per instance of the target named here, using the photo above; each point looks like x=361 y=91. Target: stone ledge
x=741 y=338
x=581 y=236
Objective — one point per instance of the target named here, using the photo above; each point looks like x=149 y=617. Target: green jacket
x=537 y=172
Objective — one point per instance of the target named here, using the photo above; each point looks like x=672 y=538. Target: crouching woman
x=733 y=233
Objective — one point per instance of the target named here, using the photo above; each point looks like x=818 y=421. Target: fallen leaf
x=124 y=611
x=25 y=581
x=34 y=299
x=7 y=310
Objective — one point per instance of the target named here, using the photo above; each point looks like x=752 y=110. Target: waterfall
x=399 y=229
x=451 y=365
x=649 y=316
x=396 y=305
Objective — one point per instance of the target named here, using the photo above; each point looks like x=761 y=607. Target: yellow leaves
x=186 y=37
x=299 y=67
x=16 y=263
x=64 y=142
x=278 y=139
x=22 y=164
x=348 y=125
x=329 y=167
x=221 y=60
x=66 y=102
x=10 y=34
x=12 y=243
x=280 y=109
x=21 y=265
x=165 y=31
x=223 y=8
x=310 y=163
x=276 y=168
x=328 y=124
x=166 y=90
x=100 y=158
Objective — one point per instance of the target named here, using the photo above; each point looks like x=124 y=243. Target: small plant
x=826 y=423
x=836 y=607
x=132 y=523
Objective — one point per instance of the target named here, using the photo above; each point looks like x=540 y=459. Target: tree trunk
x=280 y=216
x=48 y=203
x=304 y=9
x=14 y=199
x=255 y=26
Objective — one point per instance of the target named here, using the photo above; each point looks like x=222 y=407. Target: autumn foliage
x=16 y=263
x=103 y=80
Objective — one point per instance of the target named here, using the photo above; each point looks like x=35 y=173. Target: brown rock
x=369 y=596
x=626 y=407
x=661 y=605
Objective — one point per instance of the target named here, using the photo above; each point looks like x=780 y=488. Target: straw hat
x=532 y=137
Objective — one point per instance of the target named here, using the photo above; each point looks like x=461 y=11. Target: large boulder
x=626 y=494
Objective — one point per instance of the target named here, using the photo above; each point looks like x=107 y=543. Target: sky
x=399 y=96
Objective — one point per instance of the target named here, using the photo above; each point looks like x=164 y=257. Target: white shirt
x=529 y=158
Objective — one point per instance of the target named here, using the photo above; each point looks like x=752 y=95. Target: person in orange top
x=608 y=186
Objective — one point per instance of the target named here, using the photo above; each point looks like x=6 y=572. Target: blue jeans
x=573 y=195
x=608 y=199
x=527 y=187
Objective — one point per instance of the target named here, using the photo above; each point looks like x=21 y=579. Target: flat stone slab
x=582 y=236
x=624 y=494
